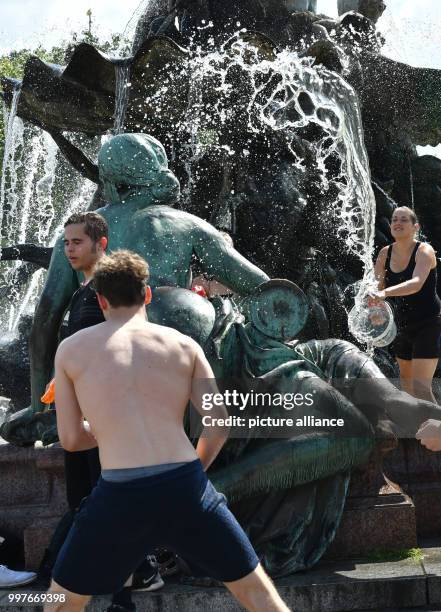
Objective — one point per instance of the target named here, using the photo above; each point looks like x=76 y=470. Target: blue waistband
x=127 y=474
x=175 y=473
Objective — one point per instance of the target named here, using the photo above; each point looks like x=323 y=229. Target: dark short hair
x=95 y=226
x=121 y=278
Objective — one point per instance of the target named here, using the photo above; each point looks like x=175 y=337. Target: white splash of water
x=131 y=25
x=22 y=219
x=13 y=139
x=31 y=295
x=45 y=213
x=77 y=203
x=285 y=93
x=34 y=154
x=39 y=193
x=276 y=86
x=122 y=88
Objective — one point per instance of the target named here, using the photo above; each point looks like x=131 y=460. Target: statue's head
x=134 y=167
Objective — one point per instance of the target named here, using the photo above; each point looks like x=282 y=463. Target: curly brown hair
x=121 y=278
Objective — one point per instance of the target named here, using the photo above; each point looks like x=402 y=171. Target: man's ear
x=103 y=242
x=102 y=301
x=148 y=295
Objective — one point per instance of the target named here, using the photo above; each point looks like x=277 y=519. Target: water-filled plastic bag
x=373 y=324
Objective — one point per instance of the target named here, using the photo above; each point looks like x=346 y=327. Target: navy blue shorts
x=120 y=523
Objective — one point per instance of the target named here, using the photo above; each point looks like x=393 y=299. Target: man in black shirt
x=85 y=242
x=84 y=310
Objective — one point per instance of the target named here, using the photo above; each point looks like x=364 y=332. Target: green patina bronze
x=140 y=188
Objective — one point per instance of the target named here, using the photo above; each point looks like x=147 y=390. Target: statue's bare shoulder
x=169 y=214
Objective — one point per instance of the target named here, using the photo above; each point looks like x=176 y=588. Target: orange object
x=49 y=395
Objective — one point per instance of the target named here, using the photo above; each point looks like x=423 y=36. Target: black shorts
x=121 y=522
x=419 y=340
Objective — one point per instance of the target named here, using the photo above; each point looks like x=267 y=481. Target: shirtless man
x=131 y=380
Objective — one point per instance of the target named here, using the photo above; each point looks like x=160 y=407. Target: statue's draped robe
x=288 y=493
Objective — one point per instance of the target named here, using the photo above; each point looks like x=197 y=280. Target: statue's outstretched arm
x=33 y=253
x=60 y=284
x=222 y=261
x=75 y=156
x=360 y=380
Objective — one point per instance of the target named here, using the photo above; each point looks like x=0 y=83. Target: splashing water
x=78 y=202
x=4 y=407
x=38 y=193
x=13 y=139
x=122 y=88
x=287 y=93
x=131 y=25
x=84 y=194
x=45 y=213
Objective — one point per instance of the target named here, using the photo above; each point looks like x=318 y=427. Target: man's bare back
x=140 y=382
x=133 y=380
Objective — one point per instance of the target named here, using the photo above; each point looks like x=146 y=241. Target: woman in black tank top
x=406 y=274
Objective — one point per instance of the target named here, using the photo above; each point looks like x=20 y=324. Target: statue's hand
x=25 y=427
x=15 y=428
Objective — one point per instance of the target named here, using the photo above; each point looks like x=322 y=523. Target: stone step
x=342 y=586
x=369 y=524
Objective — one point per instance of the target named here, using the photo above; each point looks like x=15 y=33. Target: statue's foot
x=25 y=427
x=50 y=435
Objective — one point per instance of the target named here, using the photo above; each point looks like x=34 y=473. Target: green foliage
x=383 y=556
